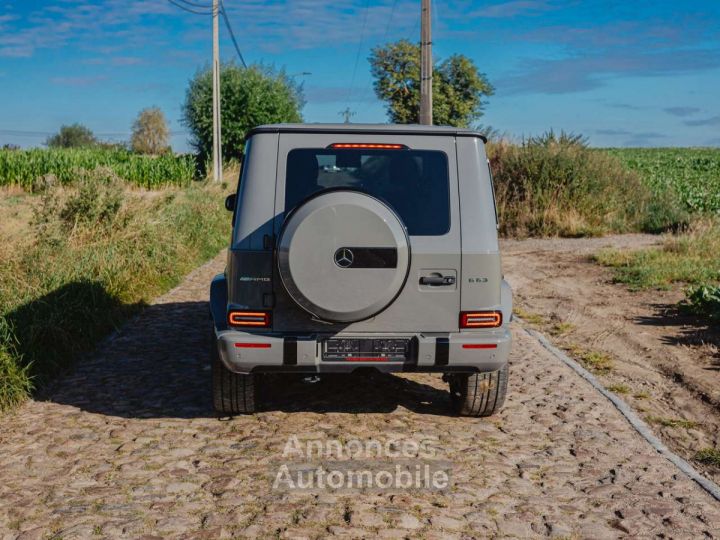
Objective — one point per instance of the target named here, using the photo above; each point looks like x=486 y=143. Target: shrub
x=555 y=185
x=15 y=382
x=704 y=300
x=97 y=200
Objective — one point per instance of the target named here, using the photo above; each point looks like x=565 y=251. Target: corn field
x=23 y=167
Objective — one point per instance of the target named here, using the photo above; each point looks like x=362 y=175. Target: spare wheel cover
x=343 y=255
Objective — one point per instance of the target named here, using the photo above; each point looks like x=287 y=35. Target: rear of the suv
x=360 y=246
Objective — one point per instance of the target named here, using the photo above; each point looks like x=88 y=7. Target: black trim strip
x=412 y=354
x=290 y=351
x=442 y=351
x=366 y=257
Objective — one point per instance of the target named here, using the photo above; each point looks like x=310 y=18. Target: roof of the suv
x=373 y=129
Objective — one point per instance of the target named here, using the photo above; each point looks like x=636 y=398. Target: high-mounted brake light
x=253 y=319
x=480 y=319
x=373 y=146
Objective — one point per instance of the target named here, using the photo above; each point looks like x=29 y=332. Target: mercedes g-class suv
x=362 y=246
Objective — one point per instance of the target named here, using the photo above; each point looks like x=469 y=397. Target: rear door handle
x=437 y=280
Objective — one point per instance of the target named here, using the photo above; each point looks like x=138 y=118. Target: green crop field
x=23 y=167
x=694 y=173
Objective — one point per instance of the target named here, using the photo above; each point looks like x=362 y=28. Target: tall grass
x=97 y=256
x=24 y=167
x=556 y=185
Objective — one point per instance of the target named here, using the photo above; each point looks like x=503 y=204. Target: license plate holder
x=365 y=350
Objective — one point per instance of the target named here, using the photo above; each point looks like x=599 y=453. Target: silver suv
x=362 y=246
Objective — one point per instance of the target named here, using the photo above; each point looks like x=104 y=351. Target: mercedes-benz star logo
x=344 y=258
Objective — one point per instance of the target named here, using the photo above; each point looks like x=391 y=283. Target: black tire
x=233 y=393
x=478 y=394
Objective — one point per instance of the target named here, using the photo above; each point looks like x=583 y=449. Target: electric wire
x=357 y=56
x=368 y=86
x=195 y=4
x=232 y=34
x=221 y=10
x=189 y=10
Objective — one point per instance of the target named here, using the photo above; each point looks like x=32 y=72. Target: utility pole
x=426 y=64
x=347 y=114
x=217 y=149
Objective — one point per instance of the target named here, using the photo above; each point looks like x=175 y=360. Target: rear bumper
x=478 y=351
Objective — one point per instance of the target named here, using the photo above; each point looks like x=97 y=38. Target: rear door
x=420 y=183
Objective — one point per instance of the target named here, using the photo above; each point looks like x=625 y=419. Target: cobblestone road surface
x=128 y=446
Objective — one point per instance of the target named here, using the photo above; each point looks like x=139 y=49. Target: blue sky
x=623 y=73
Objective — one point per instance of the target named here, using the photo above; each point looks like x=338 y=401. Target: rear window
x=413 y=182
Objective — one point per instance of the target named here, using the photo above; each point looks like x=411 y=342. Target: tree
x=150 y=132
x=73 y=136
x=458 y=86
x=249 y=97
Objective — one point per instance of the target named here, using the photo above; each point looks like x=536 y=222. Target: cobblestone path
x=128 y=446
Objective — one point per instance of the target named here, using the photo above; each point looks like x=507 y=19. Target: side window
x=238 y=192
x=492 y=187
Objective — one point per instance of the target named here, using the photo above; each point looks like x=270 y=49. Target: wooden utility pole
x=217 y=149
x=426 y=64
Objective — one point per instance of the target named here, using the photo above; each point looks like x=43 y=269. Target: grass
x=94 y=254
x=691 y=258
x=556 y=185
x=691 y=173
x=709 y=456
x=561 y=328
x=596 y=361
x=25 y=167
x=672 y=422
x=528 y=317
x=619 y=388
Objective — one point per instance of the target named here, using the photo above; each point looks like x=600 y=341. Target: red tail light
x=479 y=346
x=373 y=146
x=253 y=345
x=251 y=319
x=480 y=319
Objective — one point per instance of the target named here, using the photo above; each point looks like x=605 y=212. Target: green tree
x=150 y=132
x=458 y=86
x=249 y=97
x=72 y=136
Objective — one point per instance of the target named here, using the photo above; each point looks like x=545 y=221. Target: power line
x=232 y=34
x=222 y=10
x=188 y=9
x=357 y=56
x=387 y=28
x=195 y=4
x=368 y=86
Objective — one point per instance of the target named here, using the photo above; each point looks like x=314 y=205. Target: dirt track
x=669 y=362
x=128 y=445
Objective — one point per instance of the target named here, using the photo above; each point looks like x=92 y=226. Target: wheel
x=233 y=393
x=478 y=394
